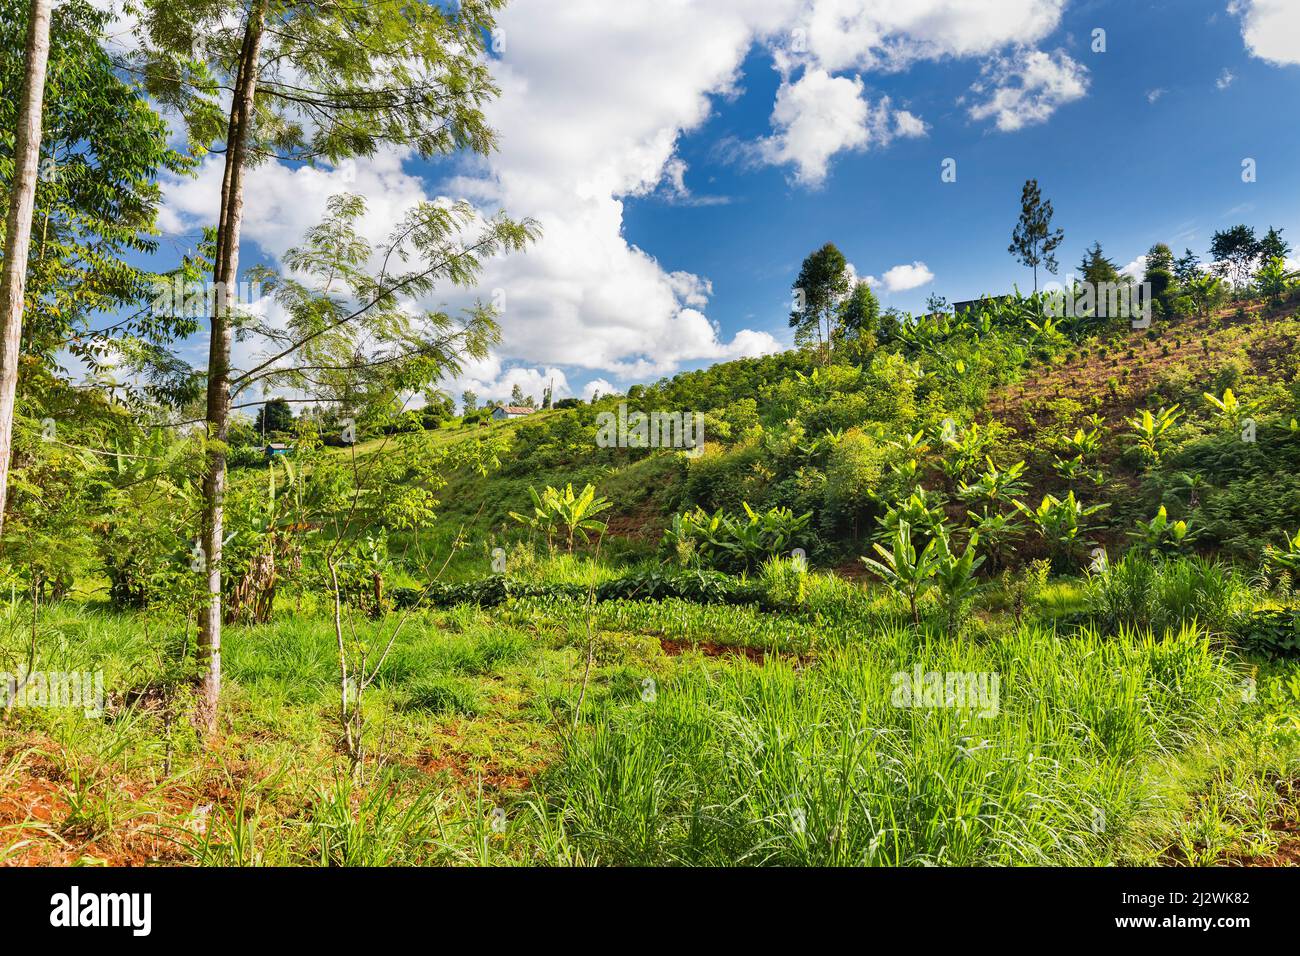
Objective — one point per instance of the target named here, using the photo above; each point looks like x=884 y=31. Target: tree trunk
x=18 y=228
x=225 y=276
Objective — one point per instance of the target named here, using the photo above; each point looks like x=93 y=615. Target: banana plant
x=996 y=485
x=913 y=444
x=1062 y=522
x=1082 y=443
x=998 y=532
x=921 y=511
x=954 y=575
x=720 y=540
x=1229 y=409
x=905 y=572
x=821 y=444
x=574 y=513
x=1162 y=536
x=1074 y=471
x=542 y=520
x=1048 y=328
x=1287 y=556
x=1204 y=289
x=1150 y=429
x=1274 y=281
x=962 y=448
x=908 y=472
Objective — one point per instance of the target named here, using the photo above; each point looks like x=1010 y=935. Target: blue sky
x=1118 y=168
x=683 y=156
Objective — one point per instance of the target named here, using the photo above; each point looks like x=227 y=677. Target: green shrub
x=698 y=586
x=1275 y=632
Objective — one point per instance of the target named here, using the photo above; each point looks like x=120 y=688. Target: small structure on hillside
x=277 y=448
x=503 y=412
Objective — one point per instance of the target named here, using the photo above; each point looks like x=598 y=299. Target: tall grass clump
x=1138 y=591
x=826 y=765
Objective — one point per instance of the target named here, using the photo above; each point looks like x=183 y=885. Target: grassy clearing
x=813 y=766
x=709 y=735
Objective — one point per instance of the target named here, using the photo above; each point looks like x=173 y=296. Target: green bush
x=697 y=586
x=1275 y=632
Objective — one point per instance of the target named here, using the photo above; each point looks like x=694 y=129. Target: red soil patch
x=1087 y=376
x=1285 y=826
x=675 y=648
x=495 y=780
x=855 y=570
x=32 y=815
x=36 y=816
x=1286 y=854
x=643 y=524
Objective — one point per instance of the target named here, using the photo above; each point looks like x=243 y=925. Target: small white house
x=503 y=412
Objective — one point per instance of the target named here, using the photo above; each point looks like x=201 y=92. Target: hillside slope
x=845 y=442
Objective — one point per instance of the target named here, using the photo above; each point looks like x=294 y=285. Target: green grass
x=795 y=766
x=1108 y=744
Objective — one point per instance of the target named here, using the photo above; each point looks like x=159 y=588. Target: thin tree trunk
x=18 y=228
x=225 y=276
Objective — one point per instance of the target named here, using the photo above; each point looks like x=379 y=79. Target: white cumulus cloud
x=820 y=115
x=1270 y=28
x=1026 y=88
x=889 y=34
x=904 y=277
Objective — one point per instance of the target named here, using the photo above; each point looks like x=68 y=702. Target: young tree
x=1160 y=274
x=18 y=225
x=1187 y=267
x=438 y=408
x=96 y=205
x=274 y=416
x=1096 y=269
x=1033 y=241
x=1273 y=246
x=1234 y=252
x=468 y=402
x=310 y=81
x=859 y=313
x=823 y=281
